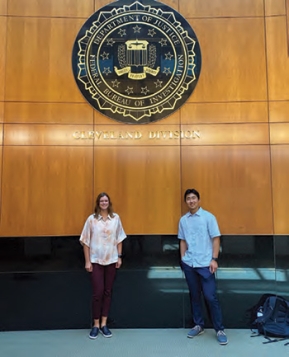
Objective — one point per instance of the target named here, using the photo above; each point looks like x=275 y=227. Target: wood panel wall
x=49 y=180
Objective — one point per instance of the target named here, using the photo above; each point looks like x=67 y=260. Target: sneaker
x=105 y=331
x=94 y=333
x=195 y=331
x=222 y=338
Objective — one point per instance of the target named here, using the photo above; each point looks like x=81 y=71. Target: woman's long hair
x=97 y=208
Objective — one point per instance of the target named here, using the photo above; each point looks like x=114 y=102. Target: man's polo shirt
x=198 y=230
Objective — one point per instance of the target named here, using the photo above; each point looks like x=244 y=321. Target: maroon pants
x=102 y=277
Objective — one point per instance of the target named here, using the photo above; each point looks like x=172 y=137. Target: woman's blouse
x=102 y=237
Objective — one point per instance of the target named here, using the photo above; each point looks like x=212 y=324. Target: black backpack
x=272 y=319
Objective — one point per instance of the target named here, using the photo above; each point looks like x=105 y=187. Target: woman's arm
x=86 y=252
x=119 y=252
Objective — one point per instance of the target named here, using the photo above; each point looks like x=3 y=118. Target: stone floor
x=136 y=343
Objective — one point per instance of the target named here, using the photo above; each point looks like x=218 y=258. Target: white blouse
x=102 y=237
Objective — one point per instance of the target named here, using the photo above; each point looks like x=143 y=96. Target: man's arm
x=216 y=247
x=216 y=250
x=183 y=247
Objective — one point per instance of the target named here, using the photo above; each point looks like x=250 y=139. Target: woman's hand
x=118 y=263
x=88 y=267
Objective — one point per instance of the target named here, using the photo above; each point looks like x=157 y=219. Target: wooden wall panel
x=3 y=32
x=287 y=24
x=41 y=108
x=171 y=119
x=241 y=112
x=39 y=60
x=233 y=61
x=137 y=135
x=112 y=135
x=1 y=138
x=3 y=7
x=279 y=134
x=100 y=3
x=3 y=23
x=280 y=183
x=51 y=8
x=279 y=111
x=228 y=134
x=48 y=113
x=48 y=190
x=234 y=183
x=173 y=4
x=41 y=134
x=100 y=119
x=1 y=112
x=221 y=8
x=277 y=58
x=275 y=7
x=144 y=185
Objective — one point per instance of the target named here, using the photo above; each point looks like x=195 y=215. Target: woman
x=102 y=238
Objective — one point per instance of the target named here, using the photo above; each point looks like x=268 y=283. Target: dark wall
x=44 y=284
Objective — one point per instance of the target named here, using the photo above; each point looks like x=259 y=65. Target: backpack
x=256 y=311
x=273 y=319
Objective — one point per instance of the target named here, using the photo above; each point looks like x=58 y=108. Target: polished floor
x=135 y=343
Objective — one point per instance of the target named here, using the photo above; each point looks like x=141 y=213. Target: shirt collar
x=198 y=213
x=101 y=218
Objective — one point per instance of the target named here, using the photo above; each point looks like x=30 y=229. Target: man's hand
x=213 y=266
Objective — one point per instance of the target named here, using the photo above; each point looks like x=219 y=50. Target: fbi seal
x=136 y=62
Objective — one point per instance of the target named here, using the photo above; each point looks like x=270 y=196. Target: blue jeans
x=202 y=280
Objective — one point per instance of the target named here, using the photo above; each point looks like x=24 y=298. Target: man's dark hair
x=191 y=190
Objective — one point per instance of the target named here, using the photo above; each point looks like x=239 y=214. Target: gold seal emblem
x=136 y=62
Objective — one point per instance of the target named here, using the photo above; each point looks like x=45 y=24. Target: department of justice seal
x=136 y=62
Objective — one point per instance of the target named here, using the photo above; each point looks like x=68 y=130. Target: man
x=199 y=248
